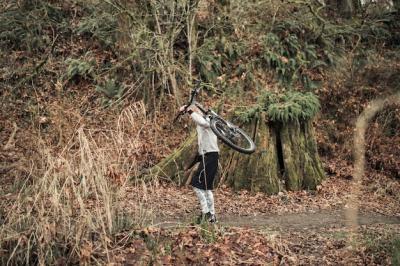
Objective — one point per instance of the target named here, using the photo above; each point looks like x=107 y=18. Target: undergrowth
x=75 y=208
x=396 y=251
x=30 y=25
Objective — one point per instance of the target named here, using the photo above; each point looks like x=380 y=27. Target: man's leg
x=210 y=205
x=201 y=195
x=210 y=201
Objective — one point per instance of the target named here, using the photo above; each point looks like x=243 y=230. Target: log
x=174 y=165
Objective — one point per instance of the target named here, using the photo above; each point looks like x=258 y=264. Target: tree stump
x=258 y=172
x=286 y=156
x=302 y=168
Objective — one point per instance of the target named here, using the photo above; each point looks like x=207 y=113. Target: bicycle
x=226 y=131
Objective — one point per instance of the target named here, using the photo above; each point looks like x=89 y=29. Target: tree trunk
x=345 y=8
x=357 y=6
x=291 y=141
x=396 y=4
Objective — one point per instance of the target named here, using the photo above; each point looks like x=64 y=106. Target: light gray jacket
x=207 y=140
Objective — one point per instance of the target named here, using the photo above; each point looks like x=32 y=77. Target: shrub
x=283 y=107
x=292 y=57
x=111 y=89
x=396 y=251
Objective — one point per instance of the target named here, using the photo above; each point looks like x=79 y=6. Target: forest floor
x=166 y=201
x=292 y=228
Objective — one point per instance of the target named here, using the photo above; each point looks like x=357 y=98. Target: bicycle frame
x=192 y=101
x=225 y=131
x=205 y=111
x=200 y=107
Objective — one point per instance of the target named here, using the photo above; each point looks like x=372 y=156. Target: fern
x=247 y=115
x=100 y=25
x=79 y=68
x=24 y=26
x=111 y=89
x=216 y=56
x=289 y=57
x=291 y=106
x=285 y=107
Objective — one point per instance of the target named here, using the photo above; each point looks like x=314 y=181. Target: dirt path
x=295 y=221
x=301 y=221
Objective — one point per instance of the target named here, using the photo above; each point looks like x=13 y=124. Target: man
x=208 y=153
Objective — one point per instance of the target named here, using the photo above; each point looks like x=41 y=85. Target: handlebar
x=195 y=91
x=193 y=95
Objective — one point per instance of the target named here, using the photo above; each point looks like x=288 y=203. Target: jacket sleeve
x=200 y=120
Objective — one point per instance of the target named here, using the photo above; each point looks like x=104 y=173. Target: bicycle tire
x=216 y=124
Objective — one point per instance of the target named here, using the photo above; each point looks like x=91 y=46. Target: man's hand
x=182 y=108
x=189 y=109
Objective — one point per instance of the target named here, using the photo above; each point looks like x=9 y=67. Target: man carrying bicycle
x=208 y=153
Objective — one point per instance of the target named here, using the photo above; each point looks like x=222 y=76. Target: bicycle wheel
x=232 y=136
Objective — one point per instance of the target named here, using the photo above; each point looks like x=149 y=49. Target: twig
x=359 y=154
x=10 y=143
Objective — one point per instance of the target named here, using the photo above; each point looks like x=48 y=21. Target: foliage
x=209 y=62
x=283 y=107
x=26 y=26
x=249 y=114
x=291 y=58
x=383 y=27
x=155 y=52
x=154 y=46
x=79 y=68
x=76 y=205
x=101 y=24
x=290 y=106
x=111 y=89
x=218 y=56
x=300 y=41
x=396 y=251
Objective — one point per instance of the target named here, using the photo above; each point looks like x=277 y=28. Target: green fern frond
x=289 y=106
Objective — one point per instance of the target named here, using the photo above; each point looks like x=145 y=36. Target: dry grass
x=73 y=211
